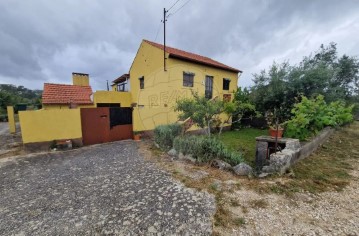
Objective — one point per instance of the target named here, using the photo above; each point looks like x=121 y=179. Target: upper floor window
x=142 y=82
x=188 y=78
x=226 y=83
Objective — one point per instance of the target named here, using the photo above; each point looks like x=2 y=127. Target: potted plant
x=276 y=129
x=136 y=135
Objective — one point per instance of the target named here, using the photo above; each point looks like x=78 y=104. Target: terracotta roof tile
x=180 y=54
x=66 y=94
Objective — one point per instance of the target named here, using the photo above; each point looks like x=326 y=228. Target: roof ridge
x=177 y=49
x=192 y=56
x=68 y=85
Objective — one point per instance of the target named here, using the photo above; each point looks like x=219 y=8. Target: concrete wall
x=11 y=119
x=49 y=125
x=156 y=101
x=113 y=97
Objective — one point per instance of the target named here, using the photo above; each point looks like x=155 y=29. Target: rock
x=231 y=182
x=263 y=175
x=243 y=169
x=190 y=158
x=186 y=157
x=156 y=145
x=152 y=230
x=216 y=185
x=280 y=162
x=172 y=152
x=180 y=156
x=222 y=165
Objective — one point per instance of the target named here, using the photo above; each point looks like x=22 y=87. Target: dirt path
x=328 y=213
x=323 y=195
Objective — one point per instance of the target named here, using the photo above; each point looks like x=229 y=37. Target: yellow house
x=151 y=89
x=155 y=86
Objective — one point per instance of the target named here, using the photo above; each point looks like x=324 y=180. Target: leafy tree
x=319 y=73
x=203 y=112
x=312 y=115
x=10 y=95
x=244 y=107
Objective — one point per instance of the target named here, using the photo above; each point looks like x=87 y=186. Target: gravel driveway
x=102 y=189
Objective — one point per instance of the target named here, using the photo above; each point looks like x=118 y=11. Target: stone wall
x=281 y=161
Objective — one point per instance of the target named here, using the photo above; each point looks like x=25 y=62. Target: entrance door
x=209 y=87
x=95 y=122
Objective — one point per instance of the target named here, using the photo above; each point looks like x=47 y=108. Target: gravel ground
x=9 y=143
x=328 y=213
x=102 y=189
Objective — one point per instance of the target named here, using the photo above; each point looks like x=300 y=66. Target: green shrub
x=312 y=115
x=164 y=135
x=205 y=149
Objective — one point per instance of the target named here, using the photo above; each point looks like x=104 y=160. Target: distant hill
x=10 y=95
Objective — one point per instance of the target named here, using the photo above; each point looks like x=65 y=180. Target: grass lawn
x=243 y=141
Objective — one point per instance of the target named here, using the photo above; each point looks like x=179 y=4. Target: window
x=142 y=82
x=226 y=83
x=208 y=93
x=188 y=79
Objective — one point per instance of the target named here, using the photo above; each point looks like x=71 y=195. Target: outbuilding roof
x=121 y=78
x=188 y=56
x=66 y=94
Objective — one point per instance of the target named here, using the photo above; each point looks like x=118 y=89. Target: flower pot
x=137 y=137
x=276 y=133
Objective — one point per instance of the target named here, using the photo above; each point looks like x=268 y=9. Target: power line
x=171 y=14
x=173 y=5
x=158 y=30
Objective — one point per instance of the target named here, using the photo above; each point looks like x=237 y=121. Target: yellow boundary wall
x=49 y=125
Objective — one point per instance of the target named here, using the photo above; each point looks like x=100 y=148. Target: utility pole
x=164 y=39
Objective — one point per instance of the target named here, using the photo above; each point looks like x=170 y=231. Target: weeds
x=260 y=203
x=239 y=221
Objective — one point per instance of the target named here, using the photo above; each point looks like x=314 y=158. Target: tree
x=244 y=107
x=202 y=111
x=270 y=90
x=319 y=73
x=10 y=95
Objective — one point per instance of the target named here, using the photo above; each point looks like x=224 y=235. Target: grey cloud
x=47 y=40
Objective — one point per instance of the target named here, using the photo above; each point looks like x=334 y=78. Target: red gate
x=105 y=124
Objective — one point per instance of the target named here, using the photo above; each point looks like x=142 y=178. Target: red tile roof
x=66 y=94
x=180 y=54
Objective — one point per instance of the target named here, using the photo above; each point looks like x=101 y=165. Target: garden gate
x=106 y=124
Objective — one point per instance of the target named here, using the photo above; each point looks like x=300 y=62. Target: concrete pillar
x=11 y=119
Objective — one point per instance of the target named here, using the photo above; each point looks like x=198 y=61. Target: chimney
x=80 y=79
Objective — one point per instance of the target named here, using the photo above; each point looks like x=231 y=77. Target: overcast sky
x=46 y=40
